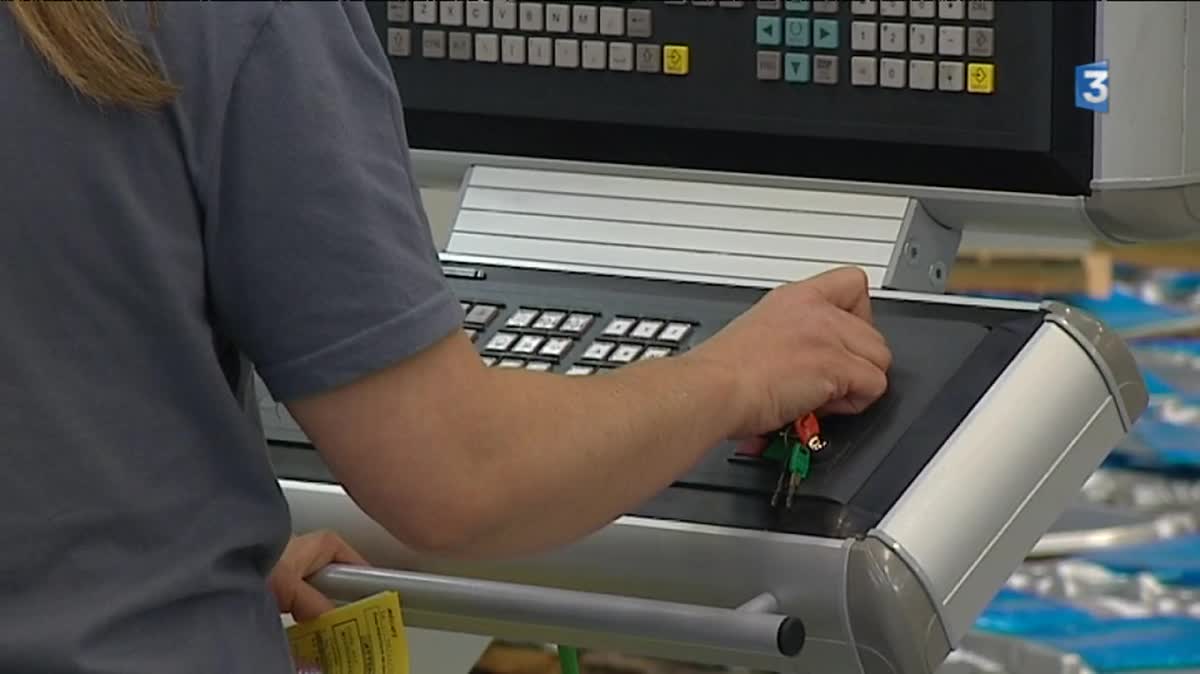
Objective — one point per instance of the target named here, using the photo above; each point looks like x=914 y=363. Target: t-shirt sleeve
x=321 y=264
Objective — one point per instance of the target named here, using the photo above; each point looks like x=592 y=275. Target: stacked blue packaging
x=1142 y=630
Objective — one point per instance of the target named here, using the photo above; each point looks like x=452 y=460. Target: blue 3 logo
x=1091 y=86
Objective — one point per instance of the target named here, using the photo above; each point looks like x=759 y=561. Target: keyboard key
x=768 y=30
x=549 y=320
x=863 y=71
x=612 y=21
x=540 y=51
x=425 y=11
x=433 y=44
x=599 y=350
x=523 y=317
x=528 y=344
x=638 y=23
x=558 y=18
x=864 y=36
x=504 y=14
x=619 y=327
x=825 y=7
x=399 y=12
x=594 y=55
x=487 y=48
x=980 y=41
x=646 y=329
x=921 y=39
x=539 y=366
x=577 y=323
x=532 y=17
x=921 y=75
x=893 y=37
x=556 y=347
x=893 y=7
x=677 y=332
x=892 y=73
x=951 y=9
x=649 y=58
x=399 y=42
x=653 y=352
x=501 y=341
x=675 y=59
x=796 y=68
x=981 y=78
x=451 y=12
x=797 y=31
x=584 y=19
x=482 y=314
x=460 y=46
x=512 y=50
x=981 y=10
x=769 y=65
x=951 y=76
x=825 y=34
x=863 y=7
x=922 y=9
x=566 y=53
x=825 y=69
x=511 y=364
x=488 y=361
x=479 y=14
x=625 y=353
x=951 y=40
x=620 y=56
x=580 y=370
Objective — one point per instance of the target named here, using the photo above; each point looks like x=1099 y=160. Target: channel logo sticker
x=1091 y=86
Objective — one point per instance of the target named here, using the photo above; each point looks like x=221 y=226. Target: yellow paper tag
x=366 y=637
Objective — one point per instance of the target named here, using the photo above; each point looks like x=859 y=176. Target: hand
x=305 y=555
x=804 y=347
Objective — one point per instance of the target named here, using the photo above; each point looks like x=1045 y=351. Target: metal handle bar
x=751 y=628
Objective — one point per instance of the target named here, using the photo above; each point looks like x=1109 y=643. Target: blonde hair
x=98 y=56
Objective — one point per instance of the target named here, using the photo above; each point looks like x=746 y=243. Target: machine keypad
x=888 y=43
x=550 y=339
x=877 y=43
x=572 y=36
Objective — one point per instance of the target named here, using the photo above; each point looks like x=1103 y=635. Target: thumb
x=308 y=603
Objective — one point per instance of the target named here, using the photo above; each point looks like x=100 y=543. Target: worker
x=191 y=188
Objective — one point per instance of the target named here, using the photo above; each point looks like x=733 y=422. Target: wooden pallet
x=1033 y=272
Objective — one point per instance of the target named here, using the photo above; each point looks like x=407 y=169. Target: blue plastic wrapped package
x=1107 y=643
x=1159 y=444
x=1174 y=562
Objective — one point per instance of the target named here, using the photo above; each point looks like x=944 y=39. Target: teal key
x=769 y=30
x=796 y=68
x=797 y=5
x=825 y=34
x=797 y=32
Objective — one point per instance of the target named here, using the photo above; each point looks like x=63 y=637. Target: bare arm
x=464 y=460
x=461 y=460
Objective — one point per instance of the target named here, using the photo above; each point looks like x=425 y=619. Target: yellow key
x=981 y=78
x=675 y=59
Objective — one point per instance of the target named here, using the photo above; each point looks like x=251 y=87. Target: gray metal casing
x=899 y=599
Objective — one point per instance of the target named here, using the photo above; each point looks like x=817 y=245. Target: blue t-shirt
x=268 y=217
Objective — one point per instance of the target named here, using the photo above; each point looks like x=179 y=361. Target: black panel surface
x=1025 y=136
x=946 y=357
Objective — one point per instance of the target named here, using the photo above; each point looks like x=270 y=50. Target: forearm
x=558 y=457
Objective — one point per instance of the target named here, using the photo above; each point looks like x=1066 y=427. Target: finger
x=754 y=446
x=865 y=384
x=320 y=549
x=308 y=603
x=862 y=339
x=846 y=288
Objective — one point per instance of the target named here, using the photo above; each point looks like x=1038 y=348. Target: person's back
x=266 y=212
x=138 y=512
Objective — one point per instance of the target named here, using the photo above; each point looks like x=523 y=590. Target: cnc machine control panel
x=973 y=90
